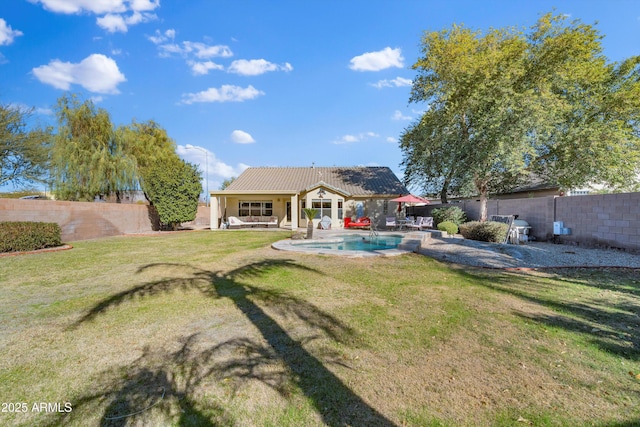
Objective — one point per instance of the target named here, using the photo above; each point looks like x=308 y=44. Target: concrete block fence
x=602 y=220
x=86 y=220
x=606 y=220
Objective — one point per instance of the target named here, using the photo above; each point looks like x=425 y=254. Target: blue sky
x=253 y=82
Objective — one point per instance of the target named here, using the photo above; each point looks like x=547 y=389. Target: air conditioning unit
x=557 y=227
x=560 y=229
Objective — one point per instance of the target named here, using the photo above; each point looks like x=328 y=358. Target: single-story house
x=283 y=192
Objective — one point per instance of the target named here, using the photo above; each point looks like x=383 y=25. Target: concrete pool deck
x=333 y=236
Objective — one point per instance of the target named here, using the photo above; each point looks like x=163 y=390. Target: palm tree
x=310 y=213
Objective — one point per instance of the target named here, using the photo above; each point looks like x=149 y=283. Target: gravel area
x=530 y=255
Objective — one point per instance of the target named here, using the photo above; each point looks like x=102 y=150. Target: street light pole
x=206 y=168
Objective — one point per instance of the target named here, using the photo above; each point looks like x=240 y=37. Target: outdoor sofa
x=252 y=221
x=363 y=222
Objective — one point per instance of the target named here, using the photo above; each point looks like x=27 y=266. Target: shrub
x=485 y=231
x=173 y=187
x=448 y=226
x=28 y=236
x=450 y=213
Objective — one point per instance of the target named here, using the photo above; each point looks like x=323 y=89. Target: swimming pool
x=356 y=243
x=347 y=245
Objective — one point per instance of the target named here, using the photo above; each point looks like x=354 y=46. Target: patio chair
x=325 y=223
x=414 y=223
x=391 y=222
x=422 y=222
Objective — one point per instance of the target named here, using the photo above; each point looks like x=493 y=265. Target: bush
x=28 y=236
x=449 y=214
x=448 y=226
x=485 y=231
x=173 y=187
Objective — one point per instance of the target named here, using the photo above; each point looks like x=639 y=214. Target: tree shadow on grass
x=166 y=382
x=610 y=319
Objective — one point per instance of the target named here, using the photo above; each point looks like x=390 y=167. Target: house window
x=323 y=206
x=255 y=208
x=303 y=205
x=340 y=203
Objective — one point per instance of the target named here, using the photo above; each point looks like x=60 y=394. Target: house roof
x=352 y=181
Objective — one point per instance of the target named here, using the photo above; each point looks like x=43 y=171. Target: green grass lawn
x=218 y=329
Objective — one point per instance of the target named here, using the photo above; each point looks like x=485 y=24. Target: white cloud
x=112 y=11
x=376 y=61
x=202 y=68
x=350 y=139
x=226 y=93
x=7 y=34
x=166 y=50
x=45 y=111
x=119 y=23
x=144 y=5
x=98 y=7
x=208 y=162
x=190 y=49
x=391 y=139
x=159 y=37
x=397 y=115
x=112 y=23
x=397 y=82
x=78 y=6
x=197 y=55
x=203 y=51
x=96 y=73
x=241 y=137
x=256 y=67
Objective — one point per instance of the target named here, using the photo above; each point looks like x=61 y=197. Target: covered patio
x=277 y=197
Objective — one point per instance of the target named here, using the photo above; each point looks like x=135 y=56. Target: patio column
x=213 y=213
x=335 y=222
x=294 y=212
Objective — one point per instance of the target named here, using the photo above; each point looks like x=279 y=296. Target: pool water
x=357 y=243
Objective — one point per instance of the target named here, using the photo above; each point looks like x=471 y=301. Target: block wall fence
x=86 y=220
x=606 y=220
x=602 y=220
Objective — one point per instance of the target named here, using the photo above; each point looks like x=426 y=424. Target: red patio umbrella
x=409 y=198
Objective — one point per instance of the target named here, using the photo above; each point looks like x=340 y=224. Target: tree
x=592 y=126
x=87 y=156
x=473 y=129
x=146 y=143
x=227 y=182
x=173 y=187
x=432 y=160
x=23 y=153
x=310 y=213
x=505 y=104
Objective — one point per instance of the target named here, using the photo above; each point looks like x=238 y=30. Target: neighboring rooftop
x=353 y=181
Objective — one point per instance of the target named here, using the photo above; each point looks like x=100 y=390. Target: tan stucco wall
x=372 y=207
x=229 y=205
